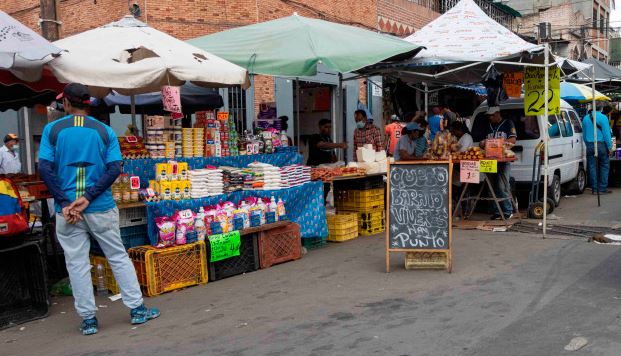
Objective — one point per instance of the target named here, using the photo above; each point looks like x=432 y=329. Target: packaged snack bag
x=166 y=190
x=183 y=170
x=184 y=222
x=161 y=171
x=166 y=231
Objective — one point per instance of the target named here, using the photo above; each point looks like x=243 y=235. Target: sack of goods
x=206 y=182
x=271 y=176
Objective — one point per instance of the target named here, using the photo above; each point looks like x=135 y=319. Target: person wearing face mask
x=9 y=158
x=366 y=133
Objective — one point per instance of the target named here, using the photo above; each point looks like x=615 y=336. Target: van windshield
x=527 y=127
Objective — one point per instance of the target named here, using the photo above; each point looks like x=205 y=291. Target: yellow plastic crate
x=342 y=234
x=342 y=220
x=111 y=284
x=164 y=270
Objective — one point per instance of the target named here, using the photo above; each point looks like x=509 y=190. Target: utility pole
x=49 y=20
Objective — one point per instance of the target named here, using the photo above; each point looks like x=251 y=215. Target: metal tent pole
x=426 y=99
x=297 y=109
x=339 y=114
x=594 y=115
x=546 y=139
x=133 y=109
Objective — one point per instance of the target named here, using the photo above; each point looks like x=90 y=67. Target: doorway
x=315 y=102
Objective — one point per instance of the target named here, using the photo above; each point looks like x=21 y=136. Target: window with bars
x=237 y=106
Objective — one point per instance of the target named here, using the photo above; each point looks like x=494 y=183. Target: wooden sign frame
x=448 y=251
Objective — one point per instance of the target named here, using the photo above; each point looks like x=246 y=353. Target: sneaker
x=495 y=217
x=143 y=314
x=89 y=326
x=508 y=217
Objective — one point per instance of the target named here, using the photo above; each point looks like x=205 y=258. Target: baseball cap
x=493 y=110
x=394 y=117
x=75 y=92
x=10 y=137
x=413 y=126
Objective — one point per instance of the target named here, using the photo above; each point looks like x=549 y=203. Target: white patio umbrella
x=22 y=51
x=131 y=58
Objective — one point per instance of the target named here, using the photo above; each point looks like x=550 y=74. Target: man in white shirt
x=459 y=130
x=9 y=159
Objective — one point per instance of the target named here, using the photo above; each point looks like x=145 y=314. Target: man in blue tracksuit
x=604 y=147
x=79 y=159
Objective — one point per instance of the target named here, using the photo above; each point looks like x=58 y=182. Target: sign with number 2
x=534 y=91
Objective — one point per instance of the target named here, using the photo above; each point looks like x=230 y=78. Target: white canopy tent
x=130 y=57
x=462 y=45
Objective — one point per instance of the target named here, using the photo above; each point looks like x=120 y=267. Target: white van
x=567 y=157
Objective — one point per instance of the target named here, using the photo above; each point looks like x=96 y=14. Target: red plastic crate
x=280 y=244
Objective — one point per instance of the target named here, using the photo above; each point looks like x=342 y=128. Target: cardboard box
x=494 y=148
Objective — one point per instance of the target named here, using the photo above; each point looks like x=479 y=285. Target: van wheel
x=555 y=188
x=578 y=185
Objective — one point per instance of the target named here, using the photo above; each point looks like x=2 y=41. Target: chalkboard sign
x=419 y=209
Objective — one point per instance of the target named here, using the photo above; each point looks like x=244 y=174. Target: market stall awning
x=16 y=93
x=22 y=51
x=130 y=57
x=580 y=93
x=294 y=45
x=603 y=71
x=466 y=34
x=193 y=99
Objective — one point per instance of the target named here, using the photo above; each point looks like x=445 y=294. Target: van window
x=553 y=127
x=567 y=131
x=527 y=127
x=575 y=121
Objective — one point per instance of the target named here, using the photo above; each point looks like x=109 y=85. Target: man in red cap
x=79 y=159
x=9 y=159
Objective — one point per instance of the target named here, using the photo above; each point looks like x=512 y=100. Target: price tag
x=223 y=115
x=469 y=172
x=534 y=91
x=134 y=182
x=131 y=139
x=488 y=166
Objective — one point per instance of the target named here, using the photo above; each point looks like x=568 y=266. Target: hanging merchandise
x=492 y=80
x=171 y=99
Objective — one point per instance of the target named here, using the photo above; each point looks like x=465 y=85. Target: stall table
x=304 y=205
x=486 y=183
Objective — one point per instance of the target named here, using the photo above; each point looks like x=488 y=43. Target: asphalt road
x=509 y=294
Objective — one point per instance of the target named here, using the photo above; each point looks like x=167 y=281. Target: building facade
x=579 y=29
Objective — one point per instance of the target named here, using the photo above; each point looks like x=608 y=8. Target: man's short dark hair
x=324 y=121
x=361 y=112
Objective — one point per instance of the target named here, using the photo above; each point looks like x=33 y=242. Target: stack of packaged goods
x=213 y=147
x=155 y=136
x=133 y=150
x=232 y=178
x=172 y=137
x=295 y=175
x=171 y=181
x=206 y=182
x=199 y=141
x=224 y=137
x=270 y=175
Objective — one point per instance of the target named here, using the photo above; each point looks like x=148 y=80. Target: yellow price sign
x=488 y=166
x=534 y=91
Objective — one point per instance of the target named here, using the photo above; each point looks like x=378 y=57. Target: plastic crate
x=342 y=227
x=131 y=236
x=362 y=183
x=110 y=282
x=164 y=270
x=23 y=288
x=132 y=216
x=359 y=200
x=280 y=244
x=313 y=243
x=371 y=222
x=247 y=261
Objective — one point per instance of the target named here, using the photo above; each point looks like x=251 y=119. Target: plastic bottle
x=246 y=210
x=199 y=225
x=263 y=209
x=101 y=282
x=284 y=141
x=280 y=207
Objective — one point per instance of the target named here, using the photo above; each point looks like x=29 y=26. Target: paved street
x=509 y=294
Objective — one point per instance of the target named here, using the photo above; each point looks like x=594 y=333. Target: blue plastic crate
x=131 y=236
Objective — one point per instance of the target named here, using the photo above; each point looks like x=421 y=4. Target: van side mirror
x=517 y=148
